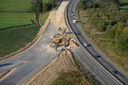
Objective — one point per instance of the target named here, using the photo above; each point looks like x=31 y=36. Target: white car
x=74 y=21
x=85 y=44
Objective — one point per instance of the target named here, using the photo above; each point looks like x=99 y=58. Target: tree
x=37 y=8
x=125 y=30
x=122 y=43
x=110 y=33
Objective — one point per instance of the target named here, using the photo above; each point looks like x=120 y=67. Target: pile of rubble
x=63 y=40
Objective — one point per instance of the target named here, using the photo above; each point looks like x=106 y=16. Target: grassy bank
x=71 y=78
x=13 y=39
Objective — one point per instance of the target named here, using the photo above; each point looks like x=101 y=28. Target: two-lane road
x=91 y=49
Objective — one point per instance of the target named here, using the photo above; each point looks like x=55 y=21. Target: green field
x=124 y=4
x=14 y=19
x=15 y=5
x=15 y=38
x=15 y=13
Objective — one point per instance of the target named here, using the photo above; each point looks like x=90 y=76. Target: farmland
x=17 y=13
x=15 y=38
x=16 y=5
x=14 y=19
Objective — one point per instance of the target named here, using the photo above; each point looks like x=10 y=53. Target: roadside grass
x=86 y=73
x=106 y=46
x=43 y=17
x=13 y=39
x=124 y=4
x=71 y=78
x=15 y=19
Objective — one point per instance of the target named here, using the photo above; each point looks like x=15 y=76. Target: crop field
x=124 y=4
x=15 y=19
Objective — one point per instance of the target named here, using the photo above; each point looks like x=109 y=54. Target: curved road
x=30 y=61
x=103 y=61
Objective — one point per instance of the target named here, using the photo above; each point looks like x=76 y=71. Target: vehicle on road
x=74 y=21
x=96 y=56
x=113 y=71
x=85 y=44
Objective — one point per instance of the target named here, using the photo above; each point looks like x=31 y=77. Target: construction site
x=63 y=40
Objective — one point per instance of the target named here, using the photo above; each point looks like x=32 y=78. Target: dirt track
x=46 y=76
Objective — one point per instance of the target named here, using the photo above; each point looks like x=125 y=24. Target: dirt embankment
x=46 y=76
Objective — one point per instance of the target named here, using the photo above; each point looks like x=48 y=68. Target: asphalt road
x=91 y=49
x=36 y=57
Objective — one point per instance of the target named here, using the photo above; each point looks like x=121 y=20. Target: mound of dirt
x=47 y=75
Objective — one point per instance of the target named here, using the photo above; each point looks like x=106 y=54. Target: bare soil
x=47 y=75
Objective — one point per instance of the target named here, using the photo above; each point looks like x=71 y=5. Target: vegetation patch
x=13 y=39
x=71 y=78
x=107 y=28
x=124 y=4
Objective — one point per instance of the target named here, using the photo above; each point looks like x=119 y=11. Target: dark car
x=113 y=71
x=96 y=56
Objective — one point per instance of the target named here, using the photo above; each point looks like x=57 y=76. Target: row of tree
x=38 y=7
x=105 y=16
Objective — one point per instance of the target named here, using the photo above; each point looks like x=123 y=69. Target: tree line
x=38 y=7
x=106 y=17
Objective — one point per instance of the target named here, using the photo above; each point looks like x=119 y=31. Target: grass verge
x=86 y=73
